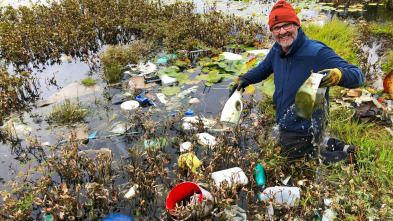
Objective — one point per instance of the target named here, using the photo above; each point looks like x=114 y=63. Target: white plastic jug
x=281 y=195
x=230 y=115
x=233 y=175
x=309 y=96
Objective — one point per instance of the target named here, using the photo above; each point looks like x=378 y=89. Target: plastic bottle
x=231 y=175
x=117 y=217
x=260 y=175
x=230 y=115
x=281 y=195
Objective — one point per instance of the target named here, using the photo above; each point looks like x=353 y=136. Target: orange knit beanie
x=282 y=11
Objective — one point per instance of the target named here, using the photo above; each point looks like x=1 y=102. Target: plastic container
x=260 y=175
x=186 y=190
x=230 y=115
x=206 y=139
x=329 y=215
x=190 y=161
x=165 y=79
x=117 y=217
x=131 y=192
x=309 y=96
x=233 y=175
x=186 y=146
x=281 y=195
x=161 y=97
x=129 y=105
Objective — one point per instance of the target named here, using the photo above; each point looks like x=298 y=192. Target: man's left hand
x=332 y=78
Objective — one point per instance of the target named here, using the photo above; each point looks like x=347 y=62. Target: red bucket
x=184 y=190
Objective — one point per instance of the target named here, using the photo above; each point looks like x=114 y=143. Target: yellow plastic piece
x=190 y=161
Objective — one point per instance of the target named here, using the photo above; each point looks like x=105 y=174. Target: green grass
x=387 y=64
x=89 y=82
x=338 y=35
x=382 y=29
x=67 y=113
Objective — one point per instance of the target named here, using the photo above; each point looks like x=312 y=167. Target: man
x=292 y=59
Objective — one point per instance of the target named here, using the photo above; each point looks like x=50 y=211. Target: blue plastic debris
x=93 y=135
x=117 y=217
x=165 y=58
x=144 y=101
x=189 y=112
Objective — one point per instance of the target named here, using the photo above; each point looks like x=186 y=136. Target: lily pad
x=211 y=78
x=181 y=77
x=169 y=71
x=249 y=89
x=268 y=86
x=169 y=91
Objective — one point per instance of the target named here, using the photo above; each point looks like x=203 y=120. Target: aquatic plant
x=387 y=65
x=67 y=113
x=88 y=81
x=78 y=28
x=384 y=29
x=16 y=91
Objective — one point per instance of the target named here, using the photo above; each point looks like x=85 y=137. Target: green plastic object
x=48 y=217
x=260 y=175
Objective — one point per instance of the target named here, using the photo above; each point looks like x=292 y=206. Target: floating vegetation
x=42 y=33
x=15 y=91
x=67 y=113
x=88 y=82
x=65 y=184
x=388 y=64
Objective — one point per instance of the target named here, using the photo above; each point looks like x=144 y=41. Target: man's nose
x=282 y=30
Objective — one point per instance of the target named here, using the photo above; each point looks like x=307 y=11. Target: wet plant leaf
x=205 y=69
x=249 y=89
x=268 y=86
x=180 y=77
x=169 y=91
x=169 y=71
x=180 y=63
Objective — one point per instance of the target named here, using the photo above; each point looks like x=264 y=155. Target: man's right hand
x=240 y=84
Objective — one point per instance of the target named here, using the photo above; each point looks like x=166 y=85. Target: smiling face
x=285 y=34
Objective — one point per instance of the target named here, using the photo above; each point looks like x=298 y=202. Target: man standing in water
x=292 y=59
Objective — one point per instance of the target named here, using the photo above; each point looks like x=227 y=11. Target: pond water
x=103 y=114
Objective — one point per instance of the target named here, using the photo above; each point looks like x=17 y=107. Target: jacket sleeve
x=352 y=76
x=260 y=72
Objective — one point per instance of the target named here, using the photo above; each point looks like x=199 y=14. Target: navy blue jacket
x=291 y=70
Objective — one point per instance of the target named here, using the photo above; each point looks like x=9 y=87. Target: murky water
x=102 y=114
